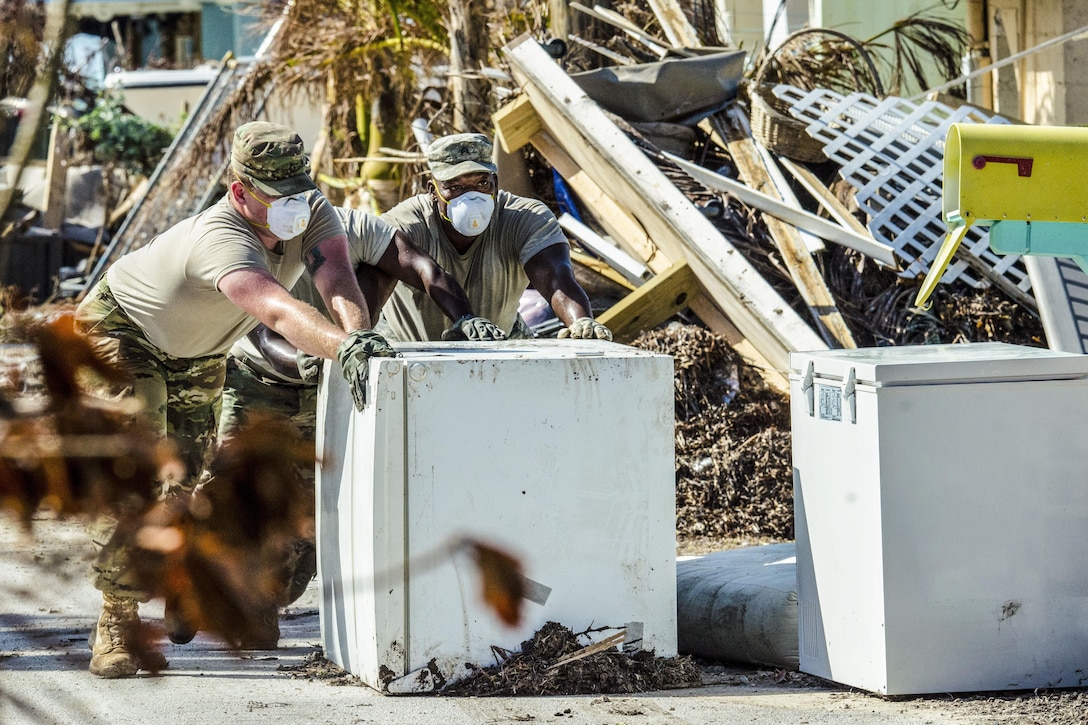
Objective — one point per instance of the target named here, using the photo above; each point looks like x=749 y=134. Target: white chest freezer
x=941 y=505
x=558 y=452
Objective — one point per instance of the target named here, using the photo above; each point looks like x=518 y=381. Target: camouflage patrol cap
x=459 y=154
x=271 y=157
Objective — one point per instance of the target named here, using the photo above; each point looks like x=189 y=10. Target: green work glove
x=309 y=367
x=354 y=355
x=471 y=327
x=586 y=328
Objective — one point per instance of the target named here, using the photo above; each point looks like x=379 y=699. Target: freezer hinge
x=849 y=395
x=808 y=387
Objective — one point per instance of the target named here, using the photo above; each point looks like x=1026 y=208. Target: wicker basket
x=772 y=124
x=778 y=131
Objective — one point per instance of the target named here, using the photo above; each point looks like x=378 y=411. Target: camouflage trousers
x=247 y=392
x=181 y=397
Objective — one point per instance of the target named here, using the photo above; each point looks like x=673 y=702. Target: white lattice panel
x=892 y=152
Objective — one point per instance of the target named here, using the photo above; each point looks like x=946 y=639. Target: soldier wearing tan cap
x=495 y=244
x=169 y=312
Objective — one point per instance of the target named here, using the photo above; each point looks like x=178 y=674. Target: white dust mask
x=471 y=212
x=288 y=216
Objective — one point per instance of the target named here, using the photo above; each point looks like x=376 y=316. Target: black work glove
x=586 y=328
x=309 y=366
x=354 y=355
x=471 y=327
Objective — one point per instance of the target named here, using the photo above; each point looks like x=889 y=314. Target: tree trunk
x=468 y=54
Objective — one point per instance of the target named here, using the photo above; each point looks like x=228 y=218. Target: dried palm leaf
x=916 y=43
x=820 y=58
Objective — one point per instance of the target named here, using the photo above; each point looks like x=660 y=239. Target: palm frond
x=918 y=42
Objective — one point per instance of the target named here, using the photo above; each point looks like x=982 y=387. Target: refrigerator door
x=558 y=453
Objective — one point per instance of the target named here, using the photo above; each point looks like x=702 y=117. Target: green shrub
x=116 y=137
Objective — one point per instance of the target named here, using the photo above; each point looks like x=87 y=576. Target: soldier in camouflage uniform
x=495 y=244
x=169 y=312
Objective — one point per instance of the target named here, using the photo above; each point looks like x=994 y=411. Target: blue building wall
x=222 y=30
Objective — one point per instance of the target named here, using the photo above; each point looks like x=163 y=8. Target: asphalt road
x=47 y=606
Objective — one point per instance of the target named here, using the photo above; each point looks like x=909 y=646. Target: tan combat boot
x=111 y=656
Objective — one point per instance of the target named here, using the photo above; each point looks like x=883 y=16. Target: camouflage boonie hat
x=271 y=157
x=459 y=154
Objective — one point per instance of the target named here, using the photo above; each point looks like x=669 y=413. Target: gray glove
x=471 y=327
x=586 y=328
x=354 y=355
x=309 y=366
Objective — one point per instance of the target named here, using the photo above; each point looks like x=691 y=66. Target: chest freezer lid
x=914 y=364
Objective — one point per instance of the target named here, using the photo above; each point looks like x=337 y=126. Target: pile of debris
x=733 y=472
x=549 y=663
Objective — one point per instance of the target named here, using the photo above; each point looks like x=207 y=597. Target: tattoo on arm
x=314 y=260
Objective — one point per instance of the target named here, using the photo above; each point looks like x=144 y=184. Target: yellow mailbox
x=1024 y=177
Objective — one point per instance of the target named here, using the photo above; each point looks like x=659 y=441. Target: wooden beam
x=616 y=220
x=810 y=283
x=779 y=209
x=626 y=231
x=616 y=20
x=652 y=303
x=823 y=196
x=633 y=271
x=812 y=242
x=675 y=24
x=601 y=150
x=56 y=178
x=601 y=268
x=515 y=123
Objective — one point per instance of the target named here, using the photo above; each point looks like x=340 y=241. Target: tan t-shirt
x=170 y=287
x=492 y=271
x=368 y=238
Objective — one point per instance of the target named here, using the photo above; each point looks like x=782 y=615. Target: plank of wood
x=633 y=271
x=813 y=243
x=601 y=150
x=824 y=197
x=56 y=178
x=615 y=220
x=652 y=303
x=614 y=19
x=675 y=24
x=515 y=123
x=810 y=283
x=590 y=649
x=600 y=267
x=882 y=253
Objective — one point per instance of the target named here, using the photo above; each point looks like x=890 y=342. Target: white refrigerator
x=941 y=504
x=559 y=453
